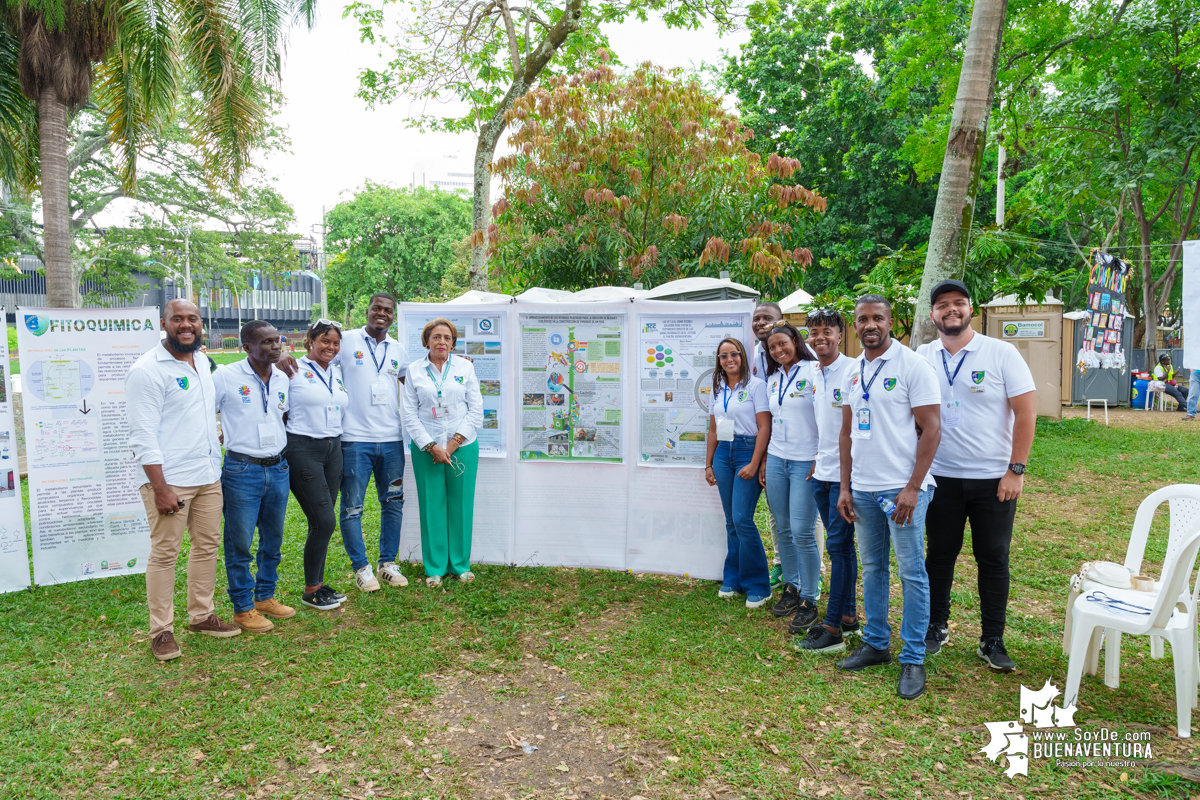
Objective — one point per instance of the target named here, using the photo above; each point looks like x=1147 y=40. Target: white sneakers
x=365 y=579
x=390 y=574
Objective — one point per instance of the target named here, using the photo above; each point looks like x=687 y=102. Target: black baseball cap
x=948 y=286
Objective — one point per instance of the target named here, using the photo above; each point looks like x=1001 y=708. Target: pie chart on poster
x=60 y=381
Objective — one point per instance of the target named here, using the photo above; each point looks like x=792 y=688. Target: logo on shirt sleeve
x=340 y=386
x=183 y=383
x=977 y=376
x=282 y=400
x=889 y=384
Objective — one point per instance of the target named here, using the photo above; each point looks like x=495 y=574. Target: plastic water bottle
x=888 y=506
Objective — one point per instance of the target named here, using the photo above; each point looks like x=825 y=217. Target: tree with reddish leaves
x=644 y=177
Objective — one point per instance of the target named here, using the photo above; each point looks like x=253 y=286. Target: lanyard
x=263 y=389
x=783 y=389
x=444 y=373
x=862 y=379
x=726 y=393
x=957 y=369
x=371 y=349
x=327 y=384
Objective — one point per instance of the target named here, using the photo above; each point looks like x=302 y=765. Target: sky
x=338 y=142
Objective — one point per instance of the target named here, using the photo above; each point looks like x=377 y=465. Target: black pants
x=1180 y=395
x=955 y=501
x=316 y=474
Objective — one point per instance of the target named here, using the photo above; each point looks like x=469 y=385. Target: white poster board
x=611 y=511
x=1191 y=305
x=14 y=554
x=86 y=515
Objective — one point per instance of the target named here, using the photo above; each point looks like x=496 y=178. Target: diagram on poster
x=676 y=358
x=481 y=338
x=85 y=513
x=572 y=400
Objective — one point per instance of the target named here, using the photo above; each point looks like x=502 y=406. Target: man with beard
x=890 y=432
x=988 y=421
x=172 y=414
x=766 y=314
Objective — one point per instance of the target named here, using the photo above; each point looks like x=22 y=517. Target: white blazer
x=461 y=402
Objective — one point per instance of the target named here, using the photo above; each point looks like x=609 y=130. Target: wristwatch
x=1016 y=469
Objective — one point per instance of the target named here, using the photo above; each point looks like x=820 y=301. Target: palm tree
x=131 y=57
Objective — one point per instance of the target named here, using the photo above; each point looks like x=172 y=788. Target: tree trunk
x=62 y=289
x=489 y=136
x=1146 y=273
x=950 y=236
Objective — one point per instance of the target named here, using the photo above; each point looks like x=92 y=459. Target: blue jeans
x=874 y=532
x=746 y=560
x=1193 y=391
x=361 y=460
x=254 y=496
x=843 y=561
x=795 y=511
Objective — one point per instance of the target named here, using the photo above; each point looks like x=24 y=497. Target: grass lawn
x=628 y=685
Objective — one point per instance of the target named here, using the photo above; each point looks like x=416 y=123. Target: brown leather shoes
x=164 y=647
x=274 y=609
x=253 y=622
x=213 y=626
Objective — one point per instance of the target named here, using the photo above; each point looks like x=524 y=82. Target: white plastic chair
x=1184 y=508
x=1165 y=619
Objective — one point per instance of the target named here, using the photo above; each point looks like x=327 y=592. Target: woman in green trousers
x=442 y=410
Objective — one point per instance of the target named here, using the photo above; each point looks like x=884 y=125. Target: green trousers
x=447 y=503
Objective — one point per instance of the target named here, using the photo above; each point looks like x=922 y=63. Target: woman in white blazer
x=443 y=408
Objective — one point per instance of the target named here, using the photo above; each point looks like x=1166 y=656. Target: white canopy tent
x=540 y=295
x=701 y=288
x=474 y=296
x=600 y=294
x=792 y=304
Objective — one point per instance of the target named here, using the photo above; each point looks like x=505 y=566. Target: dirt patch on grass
x=1135 y=418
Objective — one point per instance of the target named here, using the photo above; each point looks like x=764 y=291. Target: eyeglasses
x=728 y=356
x=330 y=322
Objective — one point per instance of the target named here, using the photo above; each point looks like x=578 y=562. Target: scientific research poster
x=14 y=555
x=572 y=400
x=482 y=338
x=85 y=512
x=676 y=358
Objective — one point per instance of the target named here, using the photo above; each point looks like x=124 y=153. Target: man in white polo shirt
x=890 y=432
x=372 y=443
x=762 y=322
x=252 y=396
x=988 y=419
x=171 y=409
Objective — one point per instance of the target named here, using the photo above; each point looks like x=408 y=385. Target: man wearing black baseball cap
x=988 y=420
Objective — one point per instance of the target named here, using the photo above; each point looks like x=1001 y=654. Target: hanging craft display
x=1101 y=347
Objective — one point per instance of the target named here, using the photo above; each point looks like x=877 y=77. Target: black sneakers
x=788 y=602
x=323 y=599
x=820 y=640
x=912 y=681
x=805 y=618
x=935 y=637
x=864 y=656
x=992 y=651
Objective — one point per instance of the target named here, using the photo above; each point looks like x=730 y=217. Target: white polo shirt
x=372 y=373
x=793 y=415
x=251 y=411
x=318 y=400
x=977 y=421
x=461 y=402
x=758 y=368
x=741 y=404
x=172 y=414
x=900 y=380
x=827 y=403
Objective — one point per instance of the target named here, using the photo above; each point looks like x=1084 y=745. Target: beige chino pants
x=201 y=517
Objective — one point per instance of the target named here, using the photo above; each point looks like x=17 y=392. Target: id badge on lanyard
x=862 y=424
x=952 y=411
x=333 y=415
x=725 y=427
x=379 y=393
x=267 y=435
x=779 y=429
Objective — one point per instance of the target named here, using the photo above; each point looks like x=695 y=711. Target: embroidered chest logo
x=458 y=378
x=183 y=383
x=889 y=384
x=977 y=376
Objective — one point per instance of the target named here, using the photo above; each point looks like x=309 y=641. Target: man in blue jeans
x=252 y=397
x=373 y=364
x=825 y=331
x=1193 y=394
x=891 y=428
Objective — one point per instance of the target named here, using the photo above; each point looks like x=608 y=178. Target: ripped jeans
x=315 y=472
x=361 y=460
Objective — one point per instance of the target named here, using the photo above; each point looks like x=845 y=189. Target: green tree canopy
x=400 y=241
